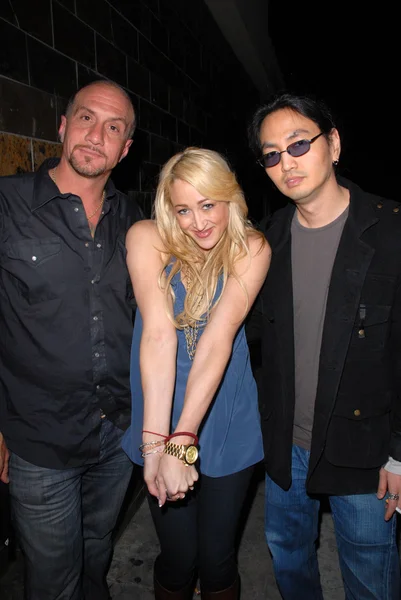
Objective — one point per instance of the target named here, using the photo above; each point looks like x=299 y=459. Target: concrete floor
x=130 y=576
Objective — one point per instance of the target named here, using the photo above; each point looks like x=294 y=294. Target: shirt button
x=357 y=412
x=99 y=245
x=93 y=281
x=86 y=244
x=97 y=354
x=98 y=387
x=34 y=258
x=76 y=209
x=95 y=318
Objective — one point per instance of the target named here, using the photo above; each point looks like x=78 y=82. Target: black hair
x=312 y=109
x=110 y=83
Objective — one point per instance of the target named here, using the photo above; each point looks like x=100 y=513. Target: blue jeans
x=366 y=542
x=64 y=520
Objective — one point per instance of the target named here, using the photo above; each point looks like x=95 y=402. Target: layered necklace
x=92 y=227
x=191 y=332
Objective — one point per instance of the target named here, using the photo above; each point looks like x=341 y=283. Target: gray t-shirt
x=313 y=252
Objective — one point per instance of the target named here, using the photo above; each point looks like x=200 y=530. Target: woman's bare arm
x=158 y=346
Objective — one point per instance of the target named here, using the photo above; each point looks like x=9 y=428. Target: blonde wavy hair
x=211 y=176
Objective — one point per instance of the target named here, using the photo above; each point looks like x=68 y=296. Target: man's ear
x=61 y=129
x=125 y=149
x=335 y=144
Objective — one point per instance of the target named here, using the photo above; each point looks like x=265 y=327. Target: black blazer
x=357 y=421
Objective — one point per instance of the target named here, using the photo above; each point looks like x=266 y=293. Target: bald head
x=111 y=86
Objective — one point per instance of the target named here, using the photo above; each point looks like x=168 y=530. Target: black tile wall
x=27 y=111
x=13 y=55
x=183 y=133
x=86 y=76
x=176 y=102
x=124 y=35
x=159 y=91
x=99 y=19
x=159 y=35
x=111 y=61
x=130 y=9
x=168 y=127
x=138 y=79
x=150 y=117
x=44 y=60
x=6 y=12
x=149 y=177
x=33 y=17
x=169 y=55
x=160 y=149
x=70 y=4
x=72 y=37
x=153 y=5
x=141 y=145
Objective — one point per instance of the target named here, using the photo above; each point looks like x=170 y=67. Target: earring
x=335 y=162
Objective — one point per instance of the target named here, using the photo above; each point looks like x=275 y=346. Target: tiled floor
x=130 y=576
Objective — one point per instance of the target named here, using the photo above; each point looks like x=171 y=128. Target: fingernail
x=159 y=503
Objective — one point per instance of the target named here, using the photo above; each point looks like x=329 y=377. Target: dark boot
x=184 y=594
x=230 y=593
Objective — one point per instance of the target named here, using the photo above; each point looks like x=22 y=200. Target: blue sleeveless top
x=230 y=436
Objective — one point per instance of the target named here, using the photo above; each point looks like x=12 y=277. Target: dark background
x=347 y=53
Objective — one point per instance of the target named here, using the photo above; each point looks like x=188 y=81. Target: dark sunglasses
x=299 y=148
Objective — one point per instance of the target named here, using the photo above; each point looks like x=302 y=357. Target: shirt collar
x=45 y=189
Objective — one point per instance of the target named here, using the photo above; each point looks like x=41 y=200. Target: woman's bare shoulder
x=258 y=244
x=144 y=233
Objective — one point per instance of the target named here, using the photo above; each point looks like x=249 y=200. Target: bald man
x=66 y=314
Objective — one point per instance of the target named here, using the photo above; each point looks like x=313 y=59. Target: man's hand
x=391 y=483
x=4 y=456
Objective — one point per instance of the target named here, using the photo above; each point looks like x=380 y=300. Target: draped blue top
x=230 y=436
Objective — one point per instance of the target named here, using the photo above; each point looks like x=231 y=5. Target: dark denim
x=65 y=518
x=366 y=542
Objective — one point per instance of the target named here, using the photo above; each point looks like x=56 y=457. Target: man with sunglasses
x=329 y=316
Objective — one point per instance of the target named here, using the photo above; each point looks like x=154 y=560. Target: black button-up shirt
x=66 y=315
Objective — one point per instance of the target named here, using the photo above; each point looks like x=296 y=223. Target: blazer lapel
x=280 y=296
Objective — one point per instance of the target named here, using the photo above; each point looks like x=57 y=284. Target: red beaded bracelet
x=179 y=433
x=153 y=433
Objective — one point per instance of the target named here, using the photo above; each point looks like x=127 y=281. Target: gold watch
x=188 y=454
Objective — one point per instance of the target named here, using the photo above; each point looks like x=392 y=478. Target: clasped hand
x=168 y=478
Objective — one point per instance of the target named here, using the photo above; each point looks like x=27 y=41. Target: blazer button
x=380 y=205
x=396 y=209
x=357 y=412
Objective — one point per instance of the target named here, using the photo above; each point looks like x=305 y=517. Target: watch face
x=191 y=455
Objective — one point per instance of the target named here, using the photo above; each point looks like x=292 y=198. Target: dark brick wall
x=187 y=86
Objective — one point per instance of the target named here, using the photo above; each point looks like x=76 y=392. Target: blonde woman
x=196 y=270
